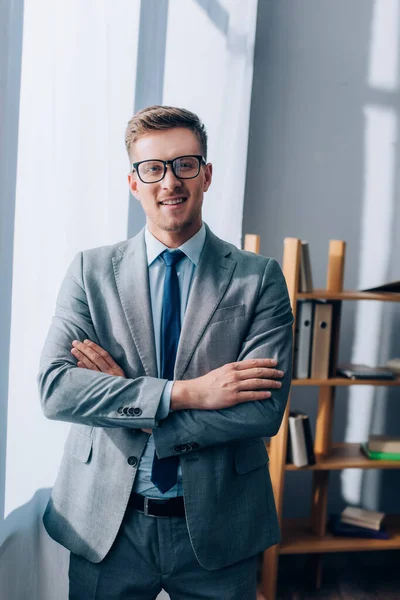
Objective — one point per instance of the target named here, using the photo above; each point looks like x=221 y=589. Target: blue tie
x=164 y=473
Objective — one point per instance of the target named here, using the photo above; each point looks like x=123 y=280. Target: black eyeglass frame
x=200 y=158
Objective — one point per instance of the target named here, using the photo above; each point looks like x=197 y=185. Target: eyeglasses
x=183 y=167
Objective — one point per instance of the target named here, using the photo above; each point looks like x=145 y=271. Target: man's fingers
x=84 y=351
x=259 y=384
x=101 y=352
x=84 y=361
x=249 y=396
x=94 y=357
x=254 y=363
x=260 y=373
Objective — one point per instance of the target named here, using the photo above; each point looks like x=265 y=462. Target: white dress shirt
x=185 y=269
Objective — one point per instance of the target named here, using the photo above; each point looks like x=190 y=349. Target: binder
x=306 y=280
x=321 y=344
x=309 y=440
x=303 y=338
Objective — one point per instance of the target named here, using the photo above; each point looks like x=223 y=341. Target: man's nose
x=170 y=181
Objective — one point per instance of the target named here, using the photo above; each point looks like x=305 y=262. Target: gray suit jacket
x=238 y=308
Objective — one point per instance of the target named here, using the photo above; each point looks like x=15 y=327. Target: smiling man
x=170 y=353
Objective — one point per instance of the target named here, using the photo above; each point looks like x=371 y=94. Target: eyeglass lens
x=185 y=167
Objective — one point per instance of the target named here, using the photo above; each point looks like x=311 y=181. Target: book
x=384 y=443
x=337 y=527
x=321 y=343
x=370 y=519
x=379 y=455
x=305 y=278
x=303 y=339
x=359 y=371
x=300 y=443
x=392 y=286
x=297 y=440
x=309 y=440
x=394 y=365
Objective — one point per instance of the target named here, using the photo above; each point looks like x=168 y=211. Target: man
x=162 y=354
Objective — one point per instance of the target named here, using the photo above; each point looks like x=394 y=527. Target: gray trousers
x=154 y=553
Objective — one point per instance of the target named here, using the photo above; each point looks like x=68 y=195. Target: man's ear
x=207 y=176
x=132 y=182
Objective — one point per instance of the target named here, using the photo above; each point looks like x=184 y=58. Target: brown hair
x=155 y=118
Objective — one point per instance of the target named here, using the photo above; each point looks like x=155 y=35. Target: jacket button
x=120 y=411
x=130 y=411
x=137 y=411
x=132 y=460
x=126 y=410
x=177 y=448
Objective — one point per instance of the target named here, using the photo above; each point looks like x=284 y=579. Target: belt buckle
x=146 y=506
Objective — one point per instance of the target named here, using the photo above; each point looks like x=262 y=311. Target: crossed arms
x=240 y=400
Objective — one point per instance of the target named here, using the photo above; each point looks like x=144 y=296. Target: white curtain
x=77 y=94
x=209 y=69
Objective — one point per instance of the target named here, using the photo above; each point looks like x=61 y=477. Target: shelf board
x=344 y=381
x=319 y=294
x=298 y=538
x=345 y=456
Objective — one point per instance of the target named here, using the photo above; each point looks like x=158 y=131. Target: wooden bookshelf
x=299 y=538
x=310 y=536
x=345 y=456
x=349 y=295
x=344 y=381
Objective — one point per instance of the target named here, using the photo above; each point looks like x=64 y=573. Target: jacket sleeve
x=68 y=393
x=269 y=336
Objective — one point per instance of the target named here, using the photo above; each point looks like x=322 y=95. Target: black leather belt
x=163 y=507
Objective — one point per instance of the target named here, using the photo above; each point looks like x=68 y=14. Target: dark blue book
x=346 y=530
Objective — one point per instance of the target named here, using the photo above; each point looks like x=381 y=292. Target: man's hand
x=237 y=382
x=93 y=357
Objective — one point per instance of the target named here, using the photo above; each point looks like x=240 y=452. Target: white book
x=362 y=517
x=297 y=440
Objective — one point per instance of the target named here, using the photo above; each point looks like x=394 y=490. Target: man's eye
x=152 y=169
x=187 y=164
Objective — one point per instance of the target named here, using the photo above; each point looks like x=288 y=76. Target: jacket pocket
x=228 y=312
x=79 y=445
x=251 y=456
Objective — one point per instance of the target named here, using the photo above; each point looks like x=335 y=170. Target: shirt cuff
x=164 y=406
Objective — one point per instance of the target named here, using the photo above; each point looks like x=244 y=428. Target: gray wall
x=305 y=176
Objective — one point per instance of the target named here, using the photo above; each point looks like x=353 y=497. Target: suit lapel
x=211 y=279
x=132 y=279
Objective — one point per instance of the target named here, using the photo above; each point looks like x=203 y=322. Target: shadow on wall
x=323 y=164
x=32 y=565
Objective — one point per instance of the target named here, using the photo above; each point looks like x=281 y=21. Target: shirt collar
x=192 y=247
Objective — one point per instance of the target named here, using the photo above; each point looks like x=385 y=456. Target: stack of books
x=300 y=451
x=358 y=522
x=382 y=447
